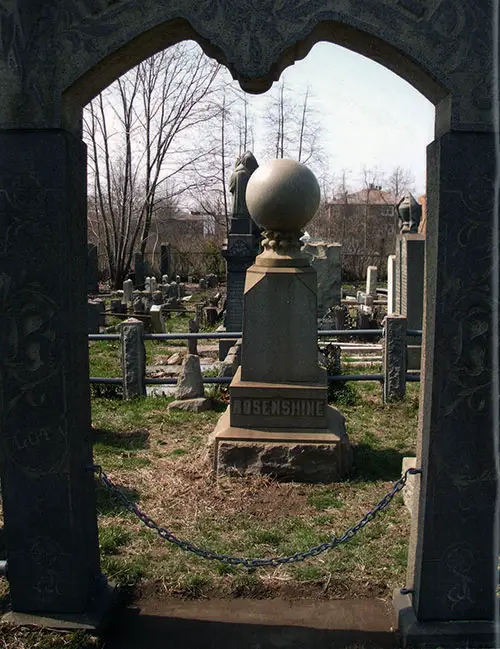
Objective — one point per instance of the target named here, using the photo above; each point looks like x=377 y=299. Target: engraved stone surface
x=441 y=47
x=394 y=357
x=47 y=496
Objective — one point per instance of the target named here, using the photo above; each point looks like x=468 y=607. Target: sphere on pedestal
x=282 y=195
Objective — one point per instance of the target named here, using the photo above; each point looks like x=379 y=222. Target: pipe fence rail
x=394 y=340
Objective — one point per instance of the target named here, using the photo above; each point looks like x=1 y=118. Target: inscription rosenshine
x=279 y=407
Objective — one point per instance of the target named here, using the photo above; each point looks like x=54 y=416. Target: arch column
x=452 y=559
x=45 y=433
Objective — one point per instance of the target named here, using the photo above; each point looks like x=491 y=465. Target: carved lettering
x=279 y=407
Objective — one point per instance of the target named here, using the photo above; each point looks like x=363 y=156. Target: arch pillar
x=453 y=558
x=48 y=496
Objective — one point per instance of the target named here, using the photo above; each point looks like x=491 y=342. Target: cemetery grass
x=160 y=459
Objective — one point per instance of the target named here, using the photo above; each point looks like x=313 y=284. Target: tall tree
x=138 y=132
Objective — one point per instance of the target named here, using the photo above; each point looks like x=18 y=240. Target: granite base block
x=314 y=456
x=94 y=620
x=192 y=405
x=456 y=634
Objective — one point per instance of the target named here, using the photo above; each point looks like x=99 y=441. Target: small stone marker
x=157 y=321
x=193 y=342
x=128 y=291
x=371 y=281
x=190 y=393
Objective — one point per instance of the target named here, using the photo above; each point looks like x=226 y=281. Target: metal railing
x=237 y=335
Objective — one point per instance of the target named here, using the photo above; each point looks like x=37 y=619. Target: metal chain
x=253 y=562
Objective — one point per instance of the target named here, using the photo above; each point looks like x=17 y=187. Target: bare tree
x=138 y=132
x=293 y=127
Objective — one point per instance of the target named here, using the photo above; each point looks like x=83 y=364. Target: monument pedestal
x=288 y=454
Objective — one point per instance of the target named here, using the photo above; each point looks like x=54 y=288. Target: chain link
x=253 y=562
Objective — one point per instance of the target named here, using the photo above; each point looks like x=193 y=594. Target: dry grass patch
x=168 y=473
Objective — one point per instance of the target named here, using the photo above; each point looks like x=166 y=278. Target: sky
x=371 y=116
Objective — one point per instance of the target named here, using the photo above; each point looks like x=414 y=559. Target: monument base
x=455 y=633
x=299 y=455
x=94 y=620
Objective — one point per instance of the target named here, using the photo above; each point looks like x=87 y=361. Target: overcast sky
x=371 y=116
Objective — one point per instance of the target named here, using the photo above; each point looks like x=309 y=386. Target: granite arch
x=53 y=59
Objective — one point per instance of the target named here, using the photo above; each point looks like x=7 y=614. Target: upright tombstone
x=165 y=259
x=326 y=261
x=371 y=281
x=140 y=270
x=92 y=270
x=128 y=291
x=279 y=422
x=241 y=247
x=391 y=284
x=410 y=270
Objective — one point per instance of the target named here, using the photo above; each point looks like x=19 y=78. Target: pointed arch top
x=77 y=47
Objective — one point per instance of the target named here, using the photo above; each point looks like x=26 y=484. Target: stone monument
x=241 y=247
x=325 y=258
x=410 y=270
x=279 y=422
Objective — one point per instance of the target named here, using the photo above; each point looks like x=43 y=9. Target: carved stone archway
x=54 y=57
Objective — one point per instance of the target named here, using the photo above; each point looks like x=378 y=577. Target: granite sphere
x=282 y=195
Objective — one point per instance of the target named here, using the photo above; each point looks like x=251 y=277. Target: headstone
x=165 y=260
x=164 y=280
x=128 y=291
x=182 y=290
x=410 y=267
x=279 y=422
x=133 y=358
x=178 y=279
x=139 y=270
x=326 y=261
x=190 y=384
x=152 y=284
x=210 y=315
x=157 y=321
x=148 y=285
x=96 y=318
x=394 y=357
x=92 y=269
x=193 y=342
x=202 y=284
x=241 y=247
x=139 y=306
x=157 y=297
x=116 y=306
x=391 y=284
x=173 y=290
x=371 y=281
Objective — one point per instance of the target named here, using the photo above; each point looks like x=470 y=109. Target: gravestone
x=128 y=291
x=96 y=317
x=165 y=260
x=139 y=271
x=157 y=321
x=391 y=284
x=92 y=269
x=410 y=267
x=279 y=422
x=371 y=281
x=190 y=392
x=240 y=249
x=325 y=258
